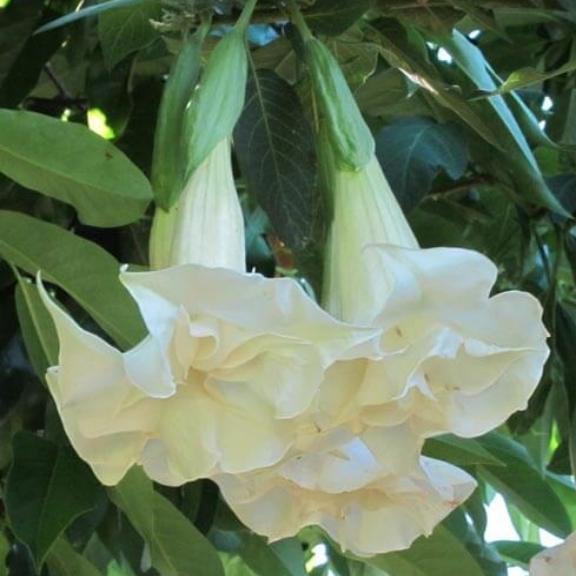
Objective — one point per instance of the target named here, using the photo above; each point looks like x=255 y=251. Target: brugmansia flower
x=230 y=360
x=452 y=358
x=361 y=505
x=556 y=561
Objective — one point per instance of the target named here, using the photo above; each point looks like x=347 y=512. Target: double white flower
x=230 y=360
x=302 y=416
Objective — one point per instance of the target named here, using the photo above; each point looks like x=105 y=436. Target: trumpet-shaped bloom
x=364 y=507
x=452 y=358
x=556 y=561
x=188 y=233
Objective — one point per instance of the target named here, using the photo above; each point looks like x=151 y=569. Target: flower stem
x=244 y=20
x=298 y=20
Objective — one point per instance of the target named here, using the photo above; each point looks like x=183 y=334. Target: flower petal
x=105 y=417
x=345 y=493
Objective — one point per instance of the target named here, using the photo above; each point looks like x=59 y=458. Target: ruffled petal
x=277 y=306
x=104 y=415
x=346 y=493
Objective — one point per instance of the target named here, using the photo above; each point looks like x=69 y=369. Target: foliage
x=473 y=107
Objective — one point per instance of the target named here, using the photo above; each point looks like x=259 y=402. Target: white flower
x=230 y=360
x=556 y=561
x=364 y=507
x=451 y=357
x=188 y=233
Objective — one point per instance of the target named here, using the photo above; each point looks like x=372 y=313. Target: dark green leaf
x=459 y=451
x=275 y=147
x=522 y=484
x=412 y=151
x=69 y=162
x=333 y=17
x=46 y=489
x=517 y=553
x=17 y=22
x=86 y=271
x=127 y=29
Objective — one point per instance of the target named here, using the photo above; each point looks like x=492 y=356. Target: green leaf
x=275 y=148
x=86 y=12
x=127 y=29
x=527 y=77
x=484 y=553
x=31 y=60
x=86 y=271
x=413 y=151
x=63 y=560
x=403 y=55
x=177 y=548
x=4 y=551
x=280 y=558
x=380 y=93
x=521 y=484
x=440 y=554
x=17 y=22
x=518 y=159
x=459 y=451
x=68 y=162
x=37 y=327
x=47 y=488
x=517 y=553
x=333 y=17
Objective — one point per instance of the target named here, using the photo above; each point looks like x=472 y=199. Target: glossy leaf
x=438 y=555
x=275 y=147
x=47 y=488
x=127 y=29
x=70 y=163
x=522 y=484
x=413 y=151
x=333 y=17
x=86 y=271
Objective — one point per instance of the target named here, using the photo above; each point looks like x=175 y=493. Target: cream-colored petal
x=364 y=511
x=556 y=561
x=283 y=372
x=105 y=417
x=185 y=445
x=147 y=367
x=259 y=305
